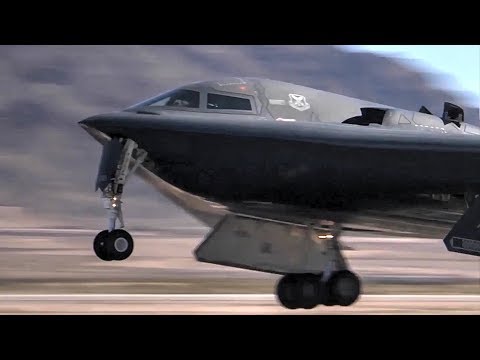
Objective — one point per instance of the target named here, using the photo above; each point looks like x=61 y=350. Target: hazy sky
x=462 y=62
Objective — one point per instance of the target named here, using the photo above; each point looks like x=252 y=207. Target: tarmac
x=228 y=304
x=54 y=271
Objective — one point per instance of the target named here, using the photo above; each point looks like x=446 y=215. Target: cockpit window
x=216 y=101
x=180 y=98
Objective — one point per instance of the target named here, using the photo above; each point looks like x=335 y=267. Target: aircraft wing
x=433 y=221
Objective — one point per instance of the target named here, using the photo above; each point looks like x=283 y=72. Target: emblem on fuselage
x=298 y=102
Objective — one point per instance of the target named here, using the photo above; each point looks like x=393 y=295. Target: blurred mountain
x=48 y=163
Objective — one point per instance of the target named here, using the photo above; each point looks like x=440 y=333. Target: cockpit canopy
x=203 y=97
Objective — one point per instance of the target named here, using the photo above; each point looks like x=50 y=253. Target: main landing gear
x=336 y=285
x=306 y=291
x=308 y=255
x=114 y=171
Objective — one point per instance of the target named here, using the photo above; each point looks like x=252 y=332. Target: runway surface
x=54 y=271
x=227 y=304
x=38 y=254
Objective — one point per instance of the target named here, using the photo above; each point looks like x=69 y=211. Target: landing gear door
x=464 y=237
x=111 y=153
x=265 y=245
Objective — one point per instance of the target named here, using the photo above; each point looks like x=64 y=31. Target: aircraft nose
x=92 y=121
x=101 y=125
x=92 y=126
x=112 y=123
x=103 y=122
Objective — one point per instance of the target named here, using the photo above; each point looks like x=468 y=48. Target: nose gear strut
x=114 y=171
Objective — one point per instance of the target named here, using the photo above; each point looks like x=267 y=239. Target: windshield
x=182 y=98
x=217 y=101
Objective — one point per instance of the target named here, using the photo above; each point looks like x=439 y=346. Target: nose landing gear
x=114 y=171
x=114 y=245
